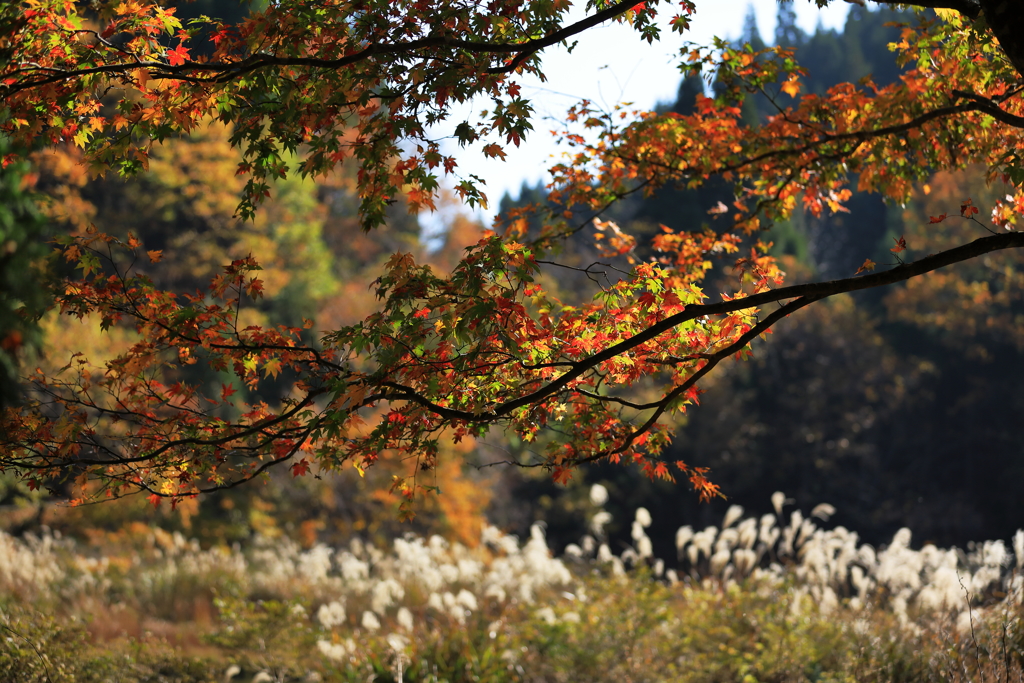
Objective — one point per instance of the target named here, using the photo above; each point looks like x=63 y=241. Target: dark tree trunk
x=1006 y=18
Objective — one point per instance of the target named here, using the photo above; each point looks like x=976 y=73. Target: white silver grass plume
x=778 y=500
x=734 y=513
x=823 y=511
x=685 y=533
x=1018 y=549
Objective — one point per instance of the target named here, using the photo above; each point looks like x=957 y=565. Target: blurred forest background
x=896 y=406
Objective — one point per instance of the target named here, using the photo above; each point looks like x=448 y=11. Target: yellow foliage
x=66 y=335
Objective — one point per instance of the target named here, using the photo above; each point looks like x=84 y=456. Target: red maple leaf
x=255 y=288
x=300 y=468
x=967 y=209
x=178 y=55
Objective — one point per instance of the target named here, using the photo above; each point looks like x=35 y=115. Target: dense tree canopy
x=349 y=91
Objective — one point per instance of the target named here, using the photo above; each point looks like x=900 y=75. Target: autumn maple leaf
x=255 y=288
x=178 y=55
x=494 y=150
x=901 y=245
x=792 y=86
x=272 y=368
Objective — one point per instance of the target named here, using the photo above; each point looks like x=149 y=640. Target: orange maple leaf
x=562 y=475
x=178 y=55
x=967 y=209
x=141 y=78
x=494 y=150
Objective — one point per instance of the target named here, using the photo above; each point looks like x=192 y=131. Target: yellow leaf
x=272 y=368
x=792 y=86
x=250 y=363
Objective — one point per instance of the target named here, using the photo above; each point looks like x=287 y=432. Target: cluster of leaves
x=803 y=156
x=337 y=80
x=486 y=346
x=126 y=444
x=472 y=342
x=895 y=407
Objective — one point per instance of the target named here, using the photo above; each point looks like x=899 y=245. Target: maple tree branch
x=588 y=271
x=860 y=135
x=989 y=107
x=242 y=432
x=534 y=46
x=977 y=103
x=247 y=430
x=824 y=138
x=616 y=399
x=133 y=310
x=810 y=292
x=713 y=360
x=818 y=290
x=228 y=71
x=262 y=468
